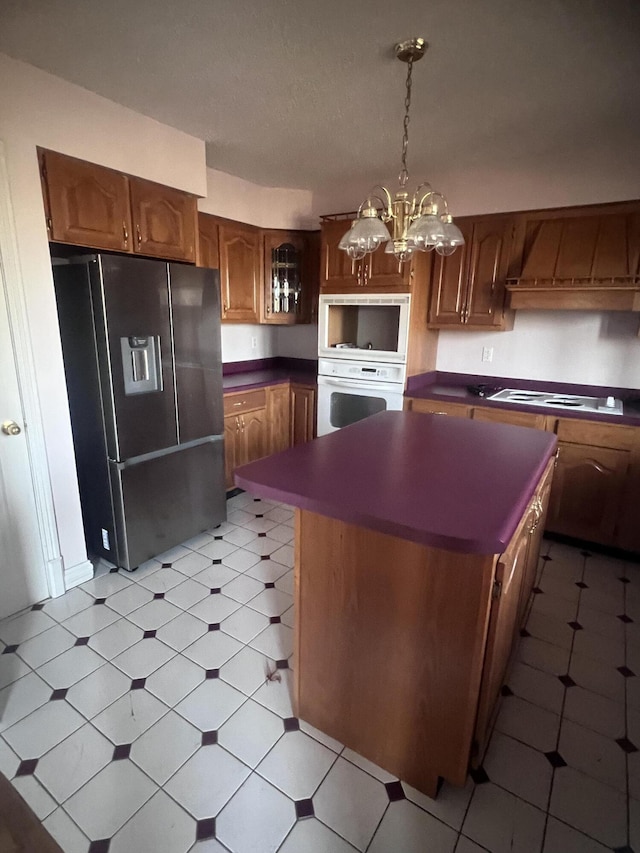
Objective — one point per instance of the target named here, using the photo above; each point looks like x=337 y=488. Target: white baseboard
x=78 y=574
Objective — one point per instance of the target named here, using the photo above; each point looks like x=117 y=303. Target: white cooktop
x=603 y=405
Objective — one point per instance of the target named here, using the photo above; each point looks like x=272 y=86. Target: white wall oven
x=364 y=327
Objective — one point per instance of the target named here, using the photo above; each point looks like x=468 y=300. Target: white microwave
x=364 y=326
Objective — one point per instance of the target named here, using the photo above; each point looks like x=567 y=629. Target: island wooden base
x=389 y=646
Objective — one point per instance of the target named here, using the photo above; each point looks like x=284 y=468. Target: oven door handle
x=362 y=384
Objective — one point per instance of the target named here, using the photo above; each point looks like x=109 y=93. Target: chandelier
x=422 y=223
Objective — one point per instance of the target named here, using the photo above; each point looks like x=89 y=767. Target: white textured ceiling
x=307 y=94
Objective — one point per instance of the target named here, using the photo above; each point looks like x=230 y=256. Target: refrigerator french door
x=141 y=347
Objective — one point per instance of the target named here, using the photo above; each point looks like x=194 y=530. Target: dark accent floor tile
x=625 y=849
x=555 y=759
x=206 y=828
x=215 y=591
x=586 y=553
x=275 y=620
x=167 y=565
x=213 y=626
x=546 y=559
x=212 y=673
x=138 y=683
x=575 y=625
x=148 y=635
x=265 y=557
x=37 y=606
x=232 y=493
x=158 y=595
x=505 y=690
x=567 y=680
x=209 y=738
x=624 y=670
x=291 y=724
x=624 y=618
x=9 y=650
x=625 y=744
x=304 y=808
x=537 y=591
x=479 y=776
x=262 y=535
x=395 y=791
x=101 y=846
x=282 y=664
x=269 y=585
x=257 y=500
x=121 y=751
x=218 y=538
x=624 y=580
x=216 y=562
x=99 y=601
x=81 y=641
x=260 y=515
x=114 y=570
x=581 y=585
x=59 y=693
x=524 y=632
x=26 y=768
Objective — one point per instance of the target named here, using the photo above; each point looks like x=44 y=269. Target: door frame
x=12 y=290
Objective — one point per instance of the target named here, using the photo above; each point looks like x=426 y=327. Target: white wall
x=39 y=109
x=241 y=342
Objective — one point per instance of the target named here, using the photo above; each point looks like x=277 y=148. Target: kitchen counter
x=453 y=388
x=259 y=373
x=449 y=483
x=416 y=545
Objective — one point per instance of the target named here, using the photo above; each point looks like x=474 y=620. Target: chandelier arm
x=432 y=194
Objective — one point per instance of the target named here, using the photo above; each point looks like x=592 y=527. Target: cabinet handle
x=359 y=275
x=225 y=308
x=237 y=424
x=138 y=236
x=125 y=234
x=366 y=274
x=242 y=419
x=49 y=224
x=238 y=404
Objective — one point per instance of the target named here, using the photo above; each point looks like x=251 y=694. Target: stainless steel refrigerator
x=141 y=347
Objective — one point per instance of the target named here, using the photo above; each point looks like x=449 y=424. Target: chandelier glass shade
x=419 y=223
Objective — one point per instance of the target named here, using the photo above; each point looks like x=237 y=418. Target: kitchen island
x=417 y=542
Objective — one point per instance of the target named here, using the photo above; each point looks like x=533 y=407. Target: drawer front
x=506 y=416
x=437 y=407
x=596 y=434
x=236 y=404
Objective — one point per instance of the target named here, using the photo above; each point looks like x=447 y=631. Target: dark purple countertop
x=241 y=375
x=451 y=483
x=452 y=387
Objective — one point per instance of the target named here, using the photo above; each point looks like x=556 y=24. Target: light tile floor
x=152 y=712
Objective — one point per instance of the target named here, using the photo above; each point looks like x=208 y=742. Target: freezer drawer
x=161 y=502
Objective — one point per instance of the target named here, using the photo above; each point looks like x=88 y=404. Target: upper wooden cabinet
x=164 y=221
x=240 y=263
x=88 y=205
x=208 y=254
x=468 y=287
x=291 y=267
x=578 y=258
x=376 y=271
x=98 y=208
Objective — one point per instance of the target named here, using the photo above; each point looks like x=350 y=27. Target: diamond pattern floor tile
x=160 y=825
x=207 y=781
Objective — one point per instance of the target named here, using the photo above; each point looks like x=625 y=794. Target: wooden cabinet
x=290 y=277
x=89 y=205
x=240 y=271
x=208 y=254
x=578 y=258
x=164 y=221
x=591 y=478
x=508 y=416
x=376 y=271
x=468 y=287
x=438 y=407
x=303 y=413
x=278 y=413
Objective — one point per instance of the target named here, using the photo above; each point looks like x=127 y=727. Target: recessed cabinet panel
x=284 y=277
x=164 y=221
x=240 y=272
x=88 y=204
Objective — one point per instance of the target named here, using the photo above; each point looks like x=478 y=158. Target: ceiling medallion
x=422 y=223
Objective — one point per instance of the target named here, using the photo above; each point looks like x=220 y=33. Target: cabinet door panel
x=438 y=407
x=449 y=285
x=208 y=242
x=164 y=221
x=487 y=271
x=587 y=492
x=255 y=436
x=240 y=277
x=338 y=270
x=284 y=277
x=278 y=417
x=506 y=416
x=303 y=414
x=383 y=271
x=231 y=442
x=88 y=204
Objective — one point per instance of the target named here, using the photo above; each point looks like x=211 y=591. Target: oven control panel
x=371 y=371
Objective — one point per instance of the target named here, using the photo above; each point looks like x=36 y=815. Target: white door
x=23 y=579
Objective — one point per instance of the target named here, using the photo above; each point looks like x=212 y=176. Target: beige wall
x=39 y=109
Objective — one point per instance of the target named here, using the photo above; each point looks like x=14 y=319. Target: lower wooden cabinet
x=508 y=416
x=263 y=421
x=437 y=407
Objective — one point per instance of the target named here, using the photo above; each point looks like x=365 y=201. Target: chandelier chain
x=404 y=173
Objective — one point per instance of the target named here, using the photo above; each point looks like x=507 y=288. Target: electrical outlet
x=254 y=343
x=487 y=353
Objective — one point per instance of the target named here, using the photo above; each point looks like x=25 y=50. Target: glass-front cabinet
x=284 y=277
